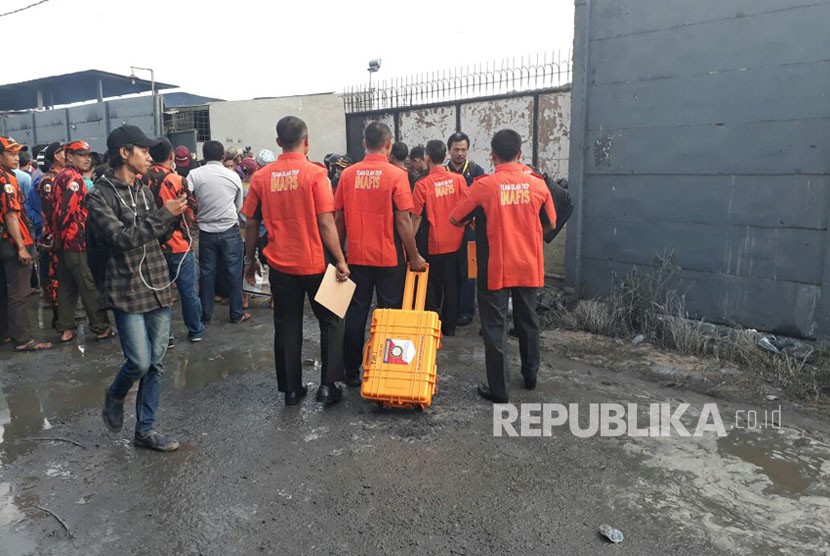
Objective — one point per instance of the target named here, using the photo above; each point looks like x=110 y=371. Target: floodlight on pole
x=374 y=66
x=156 y=111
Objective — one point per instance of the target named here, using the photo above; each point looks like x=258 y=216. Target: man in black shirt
x=458 y=145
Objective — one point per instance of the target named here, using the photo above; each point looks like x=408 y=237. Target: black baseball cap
x=129 y=135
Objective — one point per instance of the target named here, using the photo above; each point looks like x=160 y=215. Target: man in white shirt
x=218 y=193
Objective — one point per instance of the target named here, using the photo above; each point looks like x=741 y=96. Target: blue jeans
x=187 y=285
x=143 y=339
x=222 y=252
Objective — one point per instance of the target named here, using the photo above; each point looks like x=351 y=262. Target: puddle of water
x=787 y=467
x=9 y=514
x=732 y=489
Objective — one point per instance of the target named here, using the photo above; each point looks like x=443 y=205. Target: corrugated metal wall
x=90 y=122
x=702 y=128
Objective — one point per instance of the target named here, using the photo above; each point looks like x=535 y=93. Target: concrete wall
x=702 y=128
x=253 y=122
x=90 y=122
x=542 y=118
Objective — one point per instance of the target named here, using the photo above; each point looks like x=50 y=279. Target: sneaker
x=113 y=412
x=197 y=337
x=155 y=441
x=171 y=343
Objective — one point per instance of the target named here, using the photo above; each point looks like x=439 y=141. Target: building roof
x=71 y=88
x=183 y=100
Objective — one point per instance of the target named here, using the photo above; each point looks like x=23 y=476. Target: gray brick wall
x=702 y=128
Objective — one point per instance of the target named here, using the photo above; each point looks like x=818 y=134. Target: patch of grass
x=653 y=303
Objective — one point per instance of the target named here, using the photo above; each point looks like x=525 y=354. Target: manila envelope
x=333 y=295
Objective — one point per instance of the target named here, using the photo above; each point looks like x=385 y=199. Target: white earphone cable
x=144 y=247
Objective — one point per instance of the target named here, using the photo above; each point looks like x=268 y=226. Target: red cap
x=77 y=146
x=182 y=157
x=249 y=165
x=10 y=145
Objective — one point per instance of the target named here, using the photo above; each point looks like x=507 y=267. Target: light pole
x=133 y=78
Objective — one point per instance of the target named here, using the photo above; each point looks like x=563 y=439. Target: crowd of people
x=121 y=231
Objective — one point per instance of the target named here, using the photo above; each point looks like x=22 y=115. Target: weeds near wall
x=652 y=303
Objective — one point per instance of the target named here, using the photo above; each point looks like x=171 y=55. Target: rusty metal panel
x=420 y=125
x=554 y=130
x=356 y=123
x=480 y=120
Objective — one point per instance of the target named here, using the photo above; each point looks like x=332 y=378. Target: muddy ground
x=255 y=477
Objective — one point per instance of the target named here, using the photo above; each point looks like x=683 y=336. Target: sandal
x=32 y=345
x=243 y=318
x=110 y=333
x=69 y=339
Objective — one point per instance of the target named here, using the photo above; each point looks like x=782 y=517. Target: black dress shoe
x=293 y=398
x=330 y=394
x=464 y=321
x=353 y=380
x=530 y=383
x=448 y=332
x=484 y=392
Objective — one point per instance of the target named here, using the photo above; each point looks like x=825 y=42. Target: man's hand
x=417 y=263
x=24 y=256
x=343 y=271
x=252 y=271
x=176 y=206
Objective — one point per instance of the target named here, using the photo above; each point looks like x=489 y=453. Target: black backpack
x=561 y=201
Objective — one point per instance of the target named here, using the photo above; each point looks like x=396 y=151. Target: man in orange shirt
x=293 y=197
x=512 y=209
x=437 y=194
x=373 y=202
x=167 y=185
x=16 y=254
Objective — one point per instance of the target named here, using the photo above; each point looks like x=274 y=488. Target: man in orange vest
x=512 y=209
x=435 y=196
x=373 y=202
x=293 y=197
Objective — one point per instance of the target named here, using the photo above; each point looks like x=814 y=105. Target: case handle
x=415 y=290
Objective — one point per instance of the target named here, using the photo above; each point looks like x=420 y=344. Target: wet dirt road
x=255 y=477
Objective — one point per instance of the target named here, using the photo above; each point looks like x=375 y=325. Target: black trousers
x=388 y=283
x=289 y=293
x=442 y=291
x=492 y=305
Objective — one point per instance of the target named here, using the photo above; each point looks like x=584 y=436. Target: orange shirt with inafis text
x=11 y=201
x=287 y=195
x=437 y=194
x=510 y=207
x=369 y=193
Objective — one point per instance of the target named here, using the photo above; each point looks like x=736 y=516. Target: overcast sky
x=240 y=50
